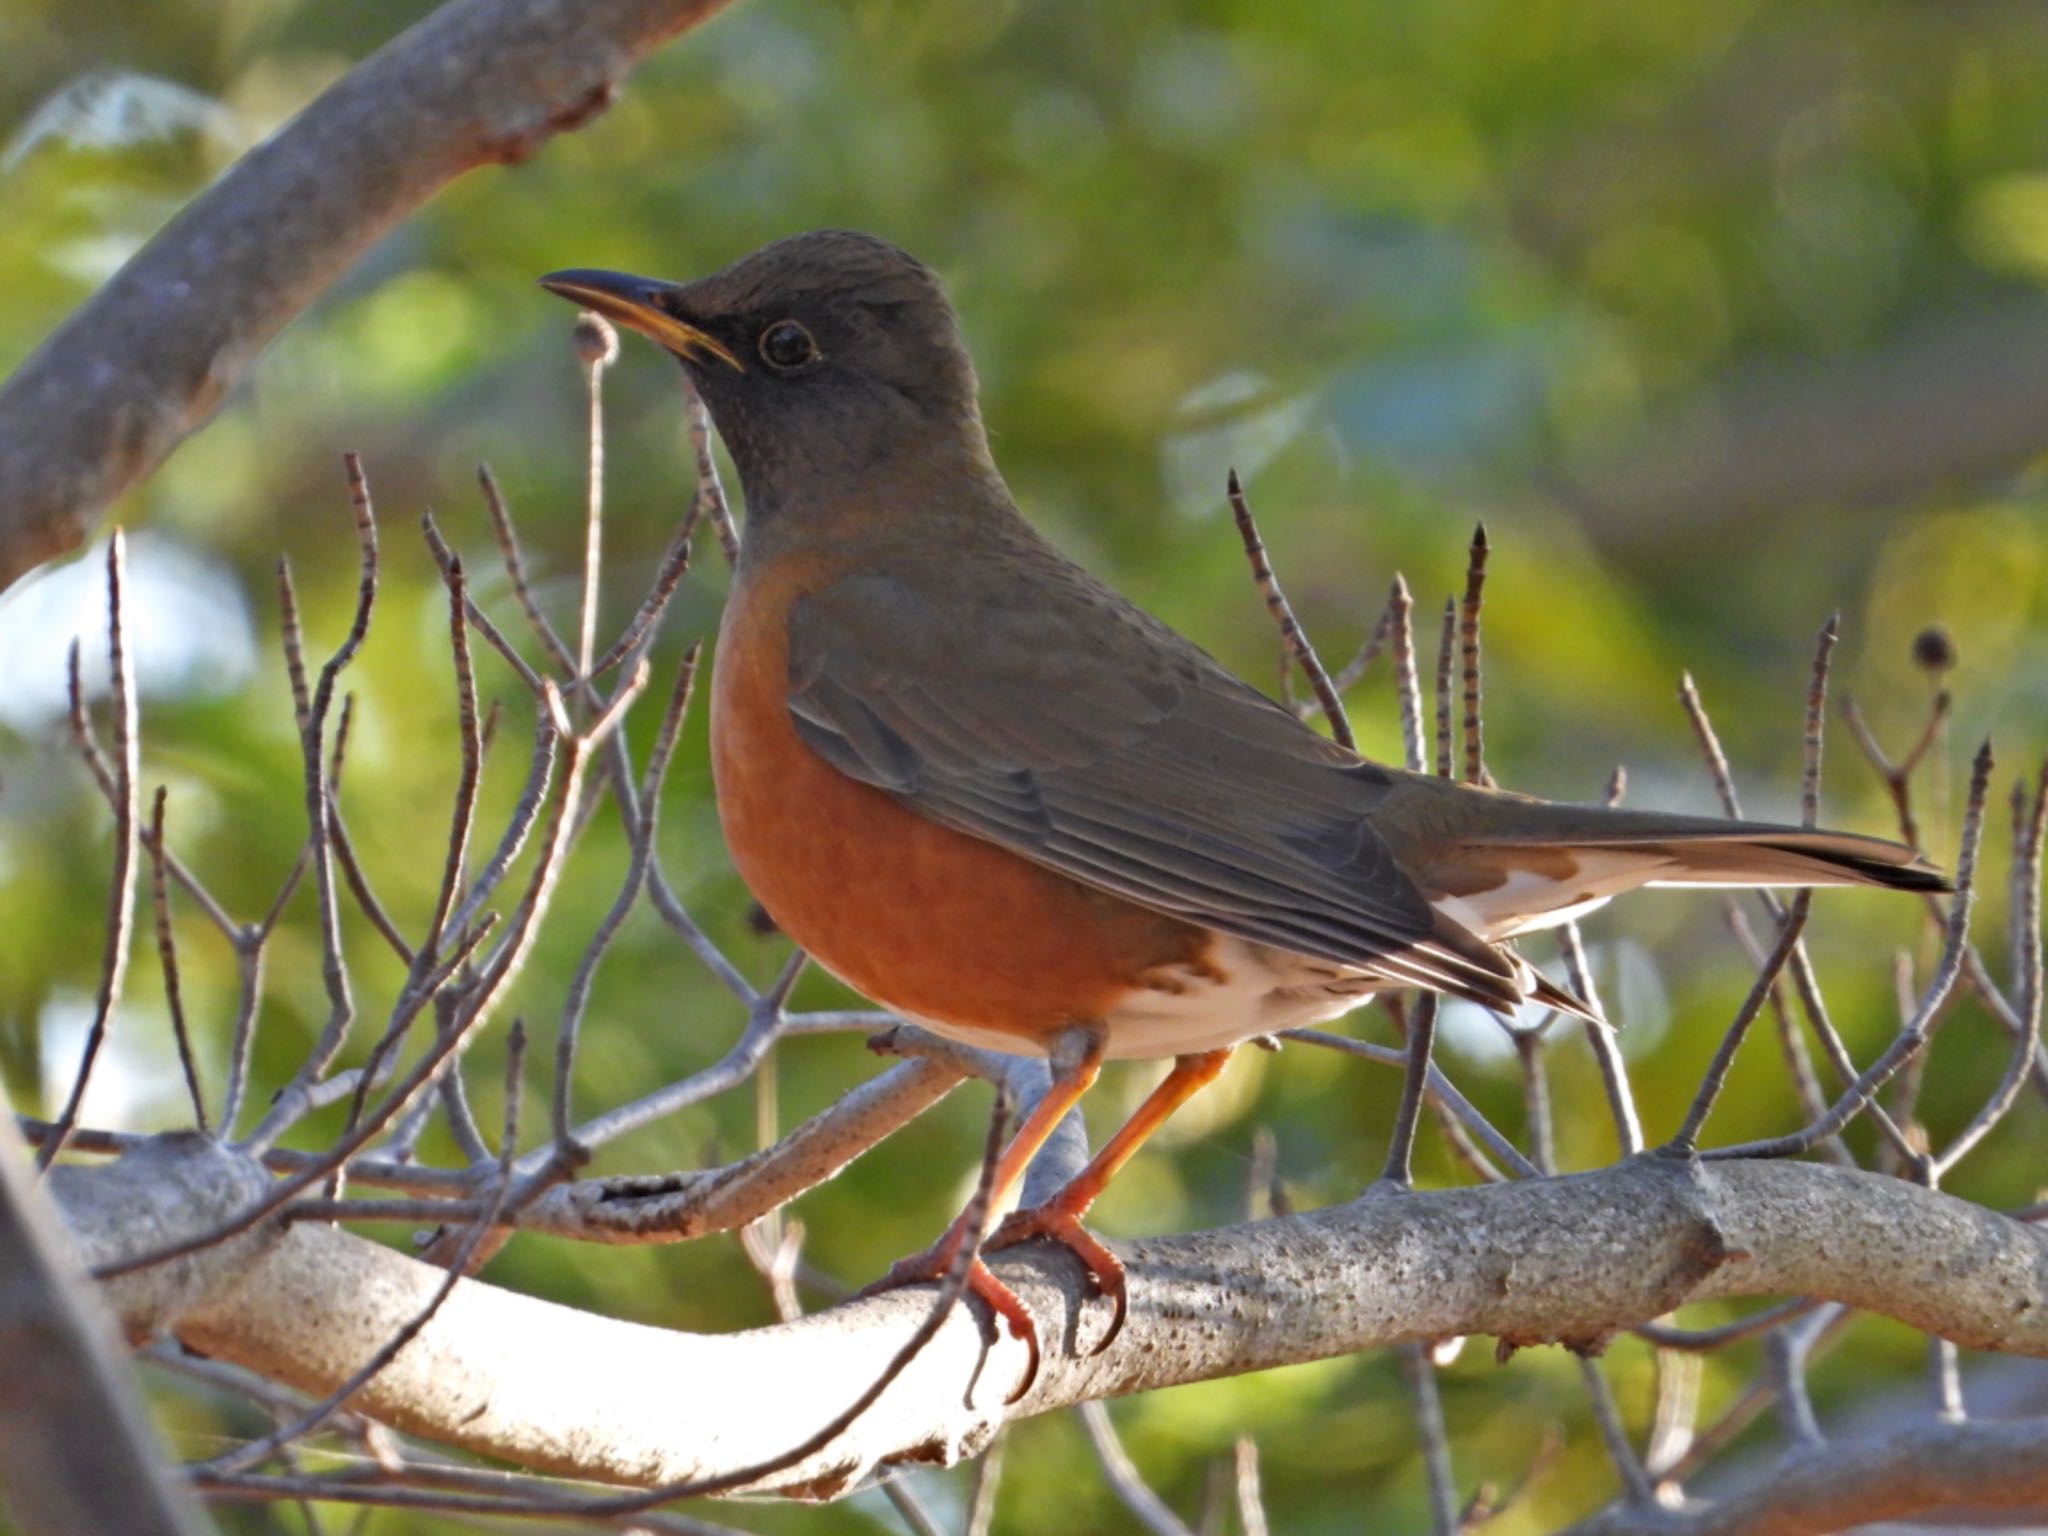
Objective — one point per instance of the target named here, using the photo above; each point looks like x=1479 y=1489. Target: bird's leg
x=1060 y=1217
x=1076 y=1057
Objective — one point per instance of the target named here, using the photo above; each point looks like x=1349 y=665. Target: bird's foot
x=1105 y=1269
x=936 y=1262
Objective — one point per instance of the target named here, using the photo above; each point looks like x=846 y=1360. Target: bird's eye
x=787 y=345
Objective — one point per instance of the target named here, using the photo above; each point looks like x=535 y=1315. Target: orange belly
x=923 y=919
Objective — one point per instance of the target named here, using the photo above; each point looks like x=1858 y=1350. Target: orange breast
x=921 y=918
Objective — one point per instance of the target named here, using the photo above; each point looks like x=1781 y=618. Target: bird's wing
x=1056 y=719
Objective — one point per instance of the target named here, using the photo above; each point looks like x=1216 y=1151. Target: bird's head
x=823 y=358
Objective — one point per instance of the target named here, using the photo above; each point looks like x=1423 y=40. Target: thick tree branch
x=1947 y=404
x=152 y=354
x=1931 y=1467
x=1545 y=1260
x=77 y=1452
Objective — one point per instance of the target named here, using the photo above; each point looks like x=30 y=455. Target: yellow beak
x=638 y=303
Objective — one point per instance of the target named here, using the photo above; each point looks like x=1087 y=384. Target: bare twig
x=1898 y=775
x=1635 y=1482
x=1441 y=1090
x=675 y=564
x=710 y=492
x=596 y=345
x=1800 y=965
x=2027 y=965
x=1446 y=764
x=1414 y=1084
x=167 y=955
x=1621 y=1103
x=988 y=1482
x=1913 y=1034
x=341 y=1006
x=1468 y=651
x=127 y=822
x=1401 y=619
x=1292 y=635
x=474 y=1010
x=494 y=636
x=1686 y=1138
x=1352 y=673
x=629 y=893
x=1132 y=1491
x=1419 y=1371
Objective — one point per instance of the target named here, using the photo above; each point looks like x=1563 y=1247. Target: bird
x=983 y=788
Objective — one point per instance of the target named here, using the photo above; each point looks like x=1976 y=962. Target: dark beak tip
x=579 y=284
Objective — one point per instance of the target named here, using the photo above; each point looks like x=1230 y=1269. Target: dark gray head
x=824 y=359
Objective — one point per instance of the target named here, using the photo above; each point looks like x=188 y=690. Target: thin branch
x=1441 y=1090
x=167 y=956
x=2027 y=963
x=127 y=822
x=1251 y=1500
x=675 y=564
x=1352 y=673
x=1132 y=1491
x=1686 y=1138
x=988 y=1482
x=1702 y=1341
x=494 y=636
x=341 y=1009
x=1800 y=965
x=1292 y=635
x=103 y=775
x=1816 y=715
x=596 y=345
x=1913 y=1035
x=629 y=894
x=1897 y=776
x=1414 y=1084
x=1468 y=650
x=1400 y=617
x=710 y=492
x=1621 y=1103
x=1446 y=765
x=515 y=570
x=1635 y=1482
x=1419 y=1371
x=1536 y=1117
x=462 y=815
x=475 y=1010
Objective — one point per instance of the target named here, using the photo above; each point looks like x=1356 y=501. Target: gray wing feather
x=1139 y=767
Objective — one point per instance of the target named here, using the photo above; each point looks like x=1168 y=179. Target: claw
x=1105 y=1269
x=932 y=1266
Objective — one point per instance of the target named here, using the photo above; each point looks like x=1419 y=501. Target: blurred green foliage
x=1722 y=318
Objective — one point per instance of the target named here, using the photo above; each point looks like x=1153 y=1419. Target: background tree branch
x=77 y=1452
x=150 y=357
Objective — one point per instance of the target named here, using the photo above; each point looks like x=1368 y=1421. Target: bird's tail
x=1541 y=875
x=1752 y=853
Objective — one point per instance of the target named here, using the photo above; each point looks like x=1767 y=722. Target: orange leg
x=1076 y=1061
x=1060 y=1217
